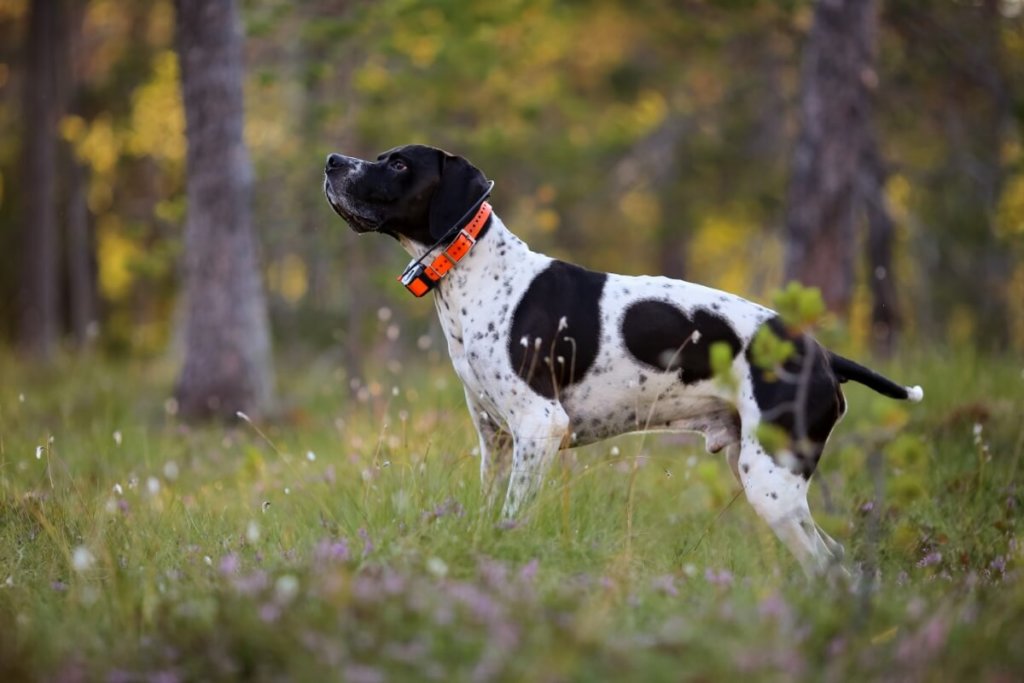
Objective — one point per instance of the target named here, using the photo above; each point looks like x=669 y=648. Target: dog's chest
x=475 y=306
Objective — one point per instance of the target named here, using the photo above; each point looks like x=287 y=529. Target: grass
x=349 y=541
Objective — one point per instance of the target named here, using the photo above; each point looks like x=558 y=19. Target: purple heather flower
x=250 y=584
x=493 y=573
x=270 y=612
x=168 y=676
x=360 y=673
x=666 y=583
x=528 y=572
x=367 y=543
x=930 y=559
x=774 y=607
x=331 y=551
x=229 y=564
x=722 y=578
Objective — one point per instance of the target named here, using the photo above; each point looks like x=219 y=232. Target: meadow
x=347 y=539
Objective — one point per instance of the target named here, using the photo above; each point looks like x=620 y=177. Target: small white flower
x=695 y=337
x=536 y=343
x=437 y=567
x=243 y=416
x=82 y=559
x=171 y=470
x=563 y=323
x=310 y=456
x=39 y=452
x=691 y=461
x=395 y=391
x=117 y=437
x=153 y=486
x=286 y=588
x=265 y=506
x=118 y=490
x=524 y=342
x=21 y=398
x=615 y=450
x=287 y=491
x=207 y=560
x=690 y=570
x=383 y=314
x=252 y=531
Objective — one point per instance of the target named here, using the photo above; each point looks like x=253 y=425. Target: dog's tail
x=847 y=369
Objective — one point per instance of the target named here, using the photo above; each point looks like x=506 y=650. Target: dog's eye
x=398 y=165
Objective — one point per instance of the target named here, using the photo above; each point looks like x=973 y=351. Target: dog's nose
x=334 y=161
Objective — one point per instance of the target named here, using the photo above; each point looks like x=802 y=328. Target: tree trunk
x=836 y=78
x=80 y=257
x=39 y=301
x=885 y=315
x=227 y=340
x=81 y=286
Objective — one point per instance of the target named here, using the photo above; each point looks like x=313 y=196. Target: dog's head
x=416 y=192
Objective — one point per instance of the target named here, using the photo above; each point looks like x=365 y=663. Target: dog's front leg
x=537 y=437
x=495 y=448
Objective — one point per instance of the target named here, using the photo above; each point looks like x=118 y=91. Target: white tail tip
x=915 y=394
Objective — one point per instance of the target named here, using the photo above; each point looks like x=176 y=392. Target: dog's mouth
x=343 y=208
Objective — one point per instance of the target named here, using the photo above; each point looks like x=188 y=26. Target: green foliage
x=774 y=438
x=721 y=357
x=768 y=351
x=622 y=137
x=800 y=307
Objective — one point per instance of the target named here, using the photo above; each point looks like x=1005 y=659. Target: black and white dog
x=558 y=356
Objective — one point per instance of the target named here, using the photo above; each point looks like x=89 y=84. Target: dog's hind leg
x=537 y=436
x=780 y=498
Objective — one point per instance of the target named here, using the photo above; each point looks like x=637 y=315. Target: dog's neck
x=486 y=264
x=495 y=239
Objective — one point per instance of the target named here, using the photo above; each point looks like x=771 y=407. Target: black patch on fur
x=778 y=396
x=562 y=290
x=659 y=334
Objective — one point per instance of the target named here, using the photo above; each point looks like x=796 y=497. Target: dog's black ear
x=461 y=185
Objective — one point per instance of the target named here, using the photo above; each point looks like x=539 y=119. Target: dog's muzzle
x=336 y=173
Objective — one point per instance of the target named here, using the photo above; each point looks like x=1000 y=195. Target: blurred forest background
x=871 y=149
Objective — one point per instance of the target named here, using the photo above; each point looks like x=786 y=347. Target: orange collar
x=420 y=278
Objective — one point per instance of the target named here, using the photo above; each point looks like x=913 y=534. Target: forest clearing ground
x=349 y=540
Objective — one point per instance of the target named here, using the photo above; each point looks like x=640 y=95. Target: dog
x=558 y=356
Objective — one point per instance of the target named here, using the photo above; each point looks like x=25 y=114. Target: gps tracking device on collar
x=419 y=278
